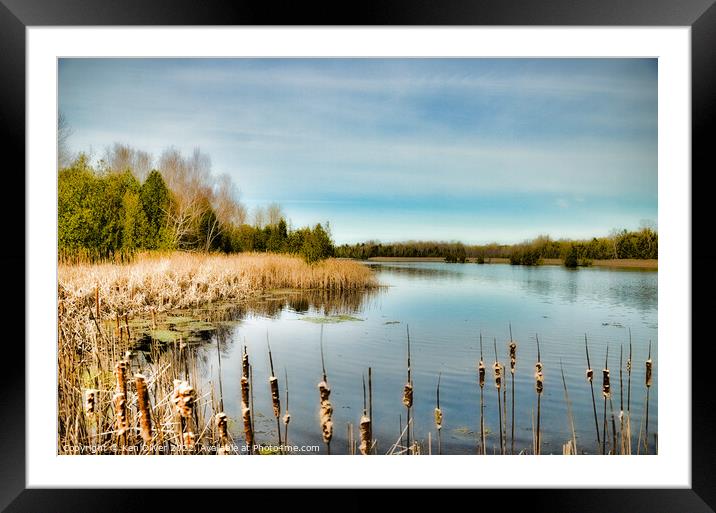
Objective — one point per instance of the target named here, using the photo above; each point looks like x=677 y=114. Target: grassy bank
x=617 y=263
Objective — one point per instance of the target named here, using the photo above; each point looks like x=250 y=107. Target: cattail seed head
x=481 y=373
x=120 y=411
x=438 y=418
x=189 y=439
x=590 y=375
x=408 y=395
x=649 y=364
x=221 y=425
x=273 y=383
x=245 y=392
x=513 y=356
x=145 y=418
x=326 y=412
x=539 y=378
x=366 y=434
x=120 y=371
x=248 y=428
x=326 y=416
x=90 y=400
x=245 y=364
x=286 y=418
x=628 y=365
x=497 y=369
x=606 y=387
x=184 y=398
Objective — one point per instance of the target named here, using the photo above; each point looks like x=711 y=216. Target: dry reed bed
x=179 y=280
x=101 y=401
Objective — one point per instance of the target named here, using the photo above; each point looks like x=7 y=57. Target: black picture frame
x=700 y=15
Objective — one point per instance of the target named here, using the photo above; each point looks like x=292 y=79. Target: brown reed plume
x=606 y=392
x=513 y=363
x=481 y=382
x=326 y=411
x=497 y=369
x=273 y=387
x=366 y=427
x=439 y=417
x=590 y=378
x=408 y=395
x=539 y=387
x=145 y=417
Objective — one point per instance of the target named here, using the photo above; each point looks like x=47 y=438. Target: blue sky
x=477 y=150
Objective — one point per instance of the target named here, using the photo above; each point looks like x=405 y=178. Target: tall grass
x=178 y=280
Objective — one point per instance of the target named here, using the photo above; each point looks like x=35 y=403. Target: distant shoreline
x=628 y=263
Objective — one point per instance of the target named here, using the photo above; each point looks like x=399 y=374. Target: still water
x=446 y=307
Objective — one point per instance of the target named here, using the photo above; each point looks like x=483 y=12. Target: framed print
x=435 y=234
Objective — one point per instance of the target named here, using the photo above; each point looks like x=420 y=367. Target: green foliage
x=642 y=244
x=317 y=245
x=570 y=259
x=108 y=214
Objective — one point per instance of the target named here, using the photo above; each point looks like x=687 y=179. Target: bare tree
x=274 y=213
x=121 y=157
x=259 y=217
x=226 y=209
x=189 y=180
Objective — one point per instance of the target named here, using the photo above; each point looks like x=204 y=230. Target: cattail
x=287 y=416
x=245 y=392
x=606 y=387
x=408 y=395
x=145 y=419
x=366 y=434
x=497 y=369
x=120 y=371
x=189 y=439
x=275 y=401
x=221 y=425
x=539 y=387
x=481 y=380
x=90 y=400
x=248 y=427
x=245 y=363
x=438 y=418
x=590 y=377
x=273 y=382
x=120 y=410
x=326 y=412
x=606 y=392
x=647 y=382
x=184 y=398
x=513 y=355
x=539 y=378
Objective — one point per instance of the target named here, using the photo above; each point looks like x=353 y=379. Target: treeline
x=123 y=205
x=640 y=244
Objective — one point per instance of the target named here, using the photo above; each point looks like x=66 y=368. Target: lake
x=446 y=307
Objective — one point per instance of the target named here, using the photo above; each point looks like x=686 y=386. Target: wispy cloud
x=320 y=135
